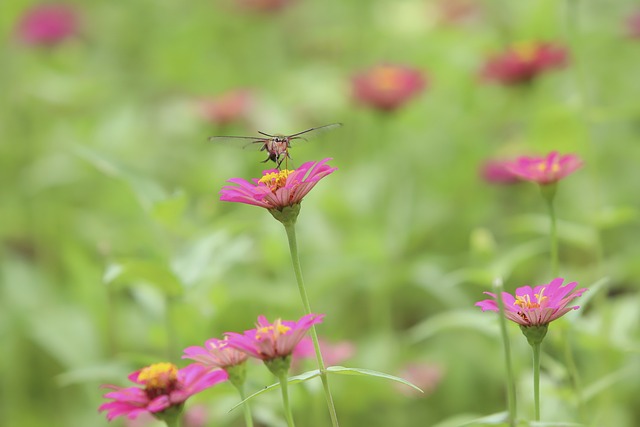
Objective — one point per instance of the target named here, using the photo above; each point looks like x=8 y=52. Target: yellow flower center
x=274 y=330
x=386 y=78
x=276 y=180
x=524 y=301
x=159 y=375
x=526 y=51
x=554 y=167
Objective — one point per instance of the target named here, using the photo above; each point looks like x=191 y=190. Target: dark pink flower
x=264 y=5
x=544 y=170
x=425 y=376
x=633 y=25
x=160 y=387
x=269 y=341
x=496 y=172
x=522 y=62
x=332 y=353
x=216 y=354
x=536 y=306
x=227 y=108
x=47 y=24
x=387 y=87
x=277 y=189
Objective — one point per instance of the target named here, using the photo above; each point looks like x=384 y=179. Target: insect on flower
x=276 y=146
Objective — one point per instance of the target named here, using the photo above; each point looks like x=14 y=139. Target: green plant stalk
x=511 y=385
x=536 y=380
x=284 y=386
x=573 y=375
x=290 y=228
x=246 y=409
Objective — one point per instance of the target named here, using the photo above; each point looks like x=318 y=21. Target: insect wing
x=309 y=133
x=240 y=141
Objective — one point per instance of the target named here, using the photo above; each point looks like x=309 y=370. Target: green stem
x=248 y=419
x=573 y=375
x=290 y=228
x=284 y=386
x=536 y=380
x=511 y=385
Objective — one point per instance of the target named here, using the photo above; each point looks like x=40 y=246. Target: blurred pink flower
x=458 y=11
x=47 y=24
x=496 y=172
x=522 y=62
x=424 y=375
x=633 y=25
x=264 y=5
x=536 y=306
x=387 y=87
x=195 y=416
x=163 y=386
x=269 y=341
x=277 y=189
x=216 y=354
x=544 y=170
x=332 y=353
x=227 y=108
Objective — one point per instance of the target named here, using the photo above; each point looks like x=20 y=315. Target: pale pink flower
x=47 y=24
x=269 y=341
x=277 y=189
x=536 y=306
x=544 y=170
x=633 y=25
x=522 y=62
x=496 y=172
x=332 y=353
x=264 y=5
x=216 y=354
x=387 y=87
x=226 y=108
x=424 y=375
x=160 y=386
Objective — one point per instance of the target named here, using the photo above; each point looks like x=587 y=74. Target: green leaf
x=368 y=372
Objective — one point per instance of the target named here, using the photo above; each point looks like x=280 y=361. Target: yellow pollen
x=158 y=375
x=274 y=330
x=276 y=180
x=555 y=167
x=526 y=51
x=386 y=78
x=524 y=301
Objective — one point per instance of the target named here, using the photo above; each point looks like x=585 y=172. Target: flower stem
x=248 y=419
x=536 y=380
x=511 y=385
x=284 y=386
x=290 y=228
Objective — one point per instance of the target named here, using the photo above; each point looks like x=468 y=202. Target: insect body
x=276 y=146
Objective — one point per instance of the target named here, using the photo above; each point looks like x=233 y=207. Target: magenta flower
x=544 y=170
x=633 y=25
x=163 y=387
x=216 y=354
x=536 y=306
x=270 y=341
x=523 y=62
x=387 y=87
x=332 y=353
x=227 y=108
x=497 y=172
x=47 y=24
x=277 y=189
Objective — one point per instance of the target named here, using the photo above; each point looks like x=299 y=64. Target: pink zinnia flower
x=216 y=354
x=497 y=172
x=47 y=24
x=387 y=87
x=277 y=189
x=633 y=25
x=536 y=306
x=332 y=353
x=522 y=62
x=544 y=170
x=424 y=375
x=270 y=341
x=226 y=108
x=163 y=387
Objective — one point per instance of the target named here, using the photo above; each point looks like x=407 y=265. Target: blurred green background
x=117 y=253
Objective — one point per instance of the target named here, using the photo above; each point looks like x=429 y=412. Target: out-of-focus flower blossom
x=538 y=306
x=216 y=354
x=544 y=170
x=633 y=25
x=227 y=108
x=496 y=172
x=273 y=340
x=523 y=62
x=424 y=375
x=387 y=87
x=195 y=416
x=161 y=387
x=264 y=5
x=332 y=353
x=277 y=189
x=47 y=24
x=457 y=11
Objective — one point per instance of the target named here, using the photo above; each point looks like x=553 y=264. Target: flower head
x=424 y=375
x=47 y=24
x=163 y=387
x=264 y=5
x=226 y=108
x=387 y=87
x=273 y=340
x=332 y=353
x=538 y=306
x=496 y=172
x=544 y=170
x=522 y=62
x=633 y=25
x=216 y=354
x=277 y=189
